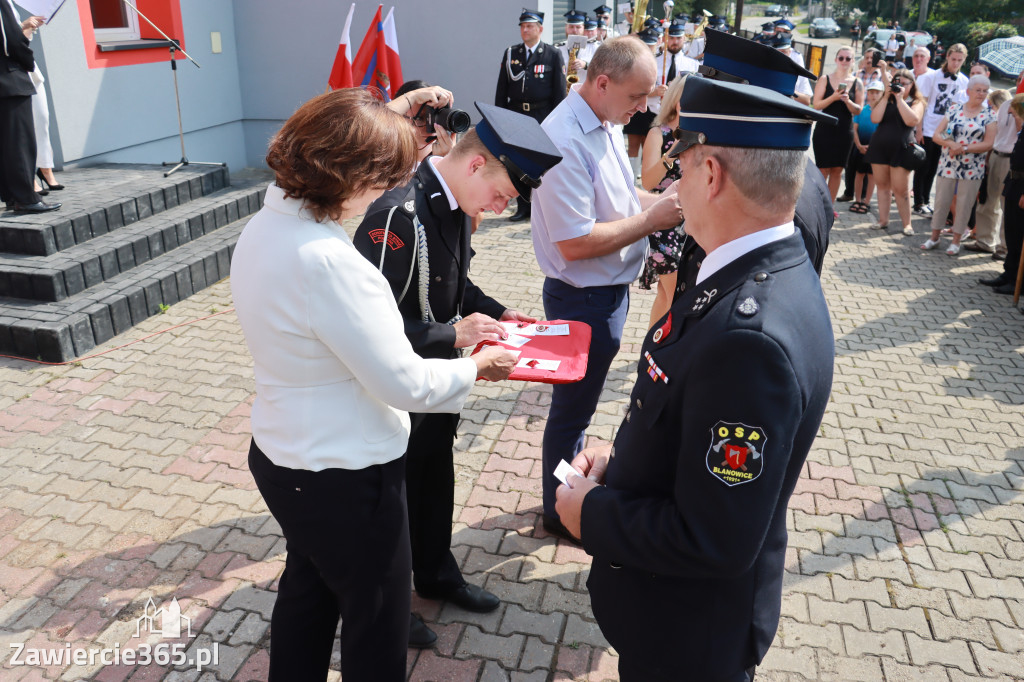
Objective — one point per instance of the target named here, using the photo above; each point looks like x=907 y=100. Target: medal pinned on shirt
x=653 y=370
x=662 y=331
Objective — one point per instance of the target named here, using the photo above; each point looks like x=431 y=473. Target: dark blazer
x=813 y=218
x=1013 y=189
x=543 y=86
x=448 y=233
x=689 y=534
x=17 y=61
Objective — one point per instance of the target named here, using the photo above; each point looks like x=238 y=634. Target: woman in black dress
x=842 y=95
x=897 y=114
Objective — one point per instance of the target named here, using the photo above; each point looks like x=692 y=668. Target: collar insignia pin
x=410 y=206
x=748 y=307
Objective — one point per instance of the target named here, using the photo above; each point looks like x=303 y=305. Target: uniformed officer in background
x=604 y=13
x=590 y=31
x=419 y=237
x=531 y=80
x=734 y=59
x=688 y=532
x=625 y=27
x=767 y=34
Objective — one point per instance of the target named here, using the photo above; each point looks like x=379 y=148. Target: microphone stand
x=176 y=46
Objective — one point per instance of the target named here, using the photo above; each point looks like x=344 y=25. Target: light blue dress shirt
x=592 y=184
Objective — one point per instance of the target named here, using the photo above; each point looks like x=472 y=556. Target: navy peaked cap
x=732 y=58
x=736 y=115
x=521 y=145
x=531 y=16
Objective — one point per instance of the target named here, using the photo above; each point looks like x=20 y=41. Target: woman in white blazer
x=335 y=378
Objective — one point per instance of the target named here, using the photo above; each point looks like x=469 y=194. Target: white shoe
x=953 y=249
x=929 y=245
x=908 y=230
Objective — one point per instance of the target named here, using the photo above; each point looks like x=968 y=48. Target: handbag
x=913 y=157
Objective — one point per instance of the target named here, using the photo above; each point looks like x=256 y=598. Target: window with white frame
x=113 y=20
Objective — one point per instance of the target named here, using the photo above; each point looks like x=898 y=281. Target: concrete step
x=101 y=199
x=86 y=264
x=63 y=330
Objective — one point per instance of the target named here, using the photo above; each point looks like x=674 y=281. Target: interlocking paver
x=126 y=478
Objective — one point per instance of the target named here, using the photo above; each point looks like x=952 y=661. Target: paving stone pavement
x=123 y=478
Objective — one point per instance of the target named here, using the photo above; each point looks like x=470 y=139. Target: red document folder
x=570 y=351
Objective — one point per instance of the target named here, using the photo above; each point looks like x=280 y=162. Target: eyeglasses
x=844 y=59
x=418 y=121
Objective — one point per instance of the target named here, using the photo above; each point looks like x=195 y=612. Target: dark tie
x=671 y=70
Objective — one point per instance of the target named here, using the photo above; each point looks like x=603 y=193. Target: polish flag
x=391 y=47
x=341 y=72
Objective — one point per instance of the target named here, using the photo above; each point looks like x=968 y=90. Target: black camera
x=452 y=120
x=896 y=86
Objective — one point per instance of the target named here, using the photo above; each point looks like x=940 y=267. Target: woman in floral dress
x=966 y=135
x=657 y=173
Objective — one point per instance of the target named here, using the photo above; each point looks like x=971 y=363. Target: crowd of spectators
x=906 y=129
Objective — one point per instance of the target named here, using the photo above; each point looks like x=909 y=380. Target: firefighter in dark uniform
x=767 y=35
x=731 y=58
x=688 y=532
x=419 y=237
x=531 y=80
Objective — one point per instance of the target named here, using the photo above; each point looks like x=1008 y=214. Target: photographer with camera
x=418 y=236
x=897 y=114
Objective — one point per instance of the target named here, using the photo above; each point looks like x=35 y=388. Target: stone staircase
x=127 y=243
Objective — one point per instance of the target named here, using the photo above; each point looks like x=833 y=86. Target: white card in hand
x=563 y=470
x=531 y=363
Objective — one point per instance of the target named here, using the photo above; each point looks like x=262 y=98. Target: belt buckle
x=526 y=106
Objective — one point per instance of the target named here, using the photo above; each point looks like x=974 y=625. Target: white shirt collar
x=432 y=162
x=730 y=251
x=588 y=120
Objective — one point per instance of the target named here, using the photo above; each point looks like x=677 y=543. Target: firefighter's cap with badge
x=734 y=115
x=734 y=59
x=531 y=16
x=519 y=143
x=574 y=18
x=677 y=28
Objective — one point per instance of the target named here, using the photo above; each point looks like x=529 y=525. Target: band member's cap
x=531 y=16
x=739 y=60
x=574 y=18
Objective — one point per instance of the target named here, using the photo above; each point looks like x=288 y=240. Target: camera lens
x=454 y=120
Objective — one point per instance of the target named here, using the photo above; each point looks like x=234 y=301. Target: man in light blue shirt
x=590 y=225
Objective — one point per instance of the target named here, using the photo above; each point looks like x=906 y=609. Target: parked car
x=823 y=27
x=877 y=39
x=777 y=11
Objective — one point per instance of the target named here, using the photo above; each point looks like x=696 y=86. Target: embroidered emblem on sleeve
x=394 y=241
x=736 y=452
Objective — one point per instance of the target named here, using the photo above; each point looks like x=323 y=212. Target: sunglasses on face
x=844 y=59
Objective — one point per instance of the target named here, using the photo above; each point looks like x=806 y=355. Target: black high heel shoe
x=42 y=179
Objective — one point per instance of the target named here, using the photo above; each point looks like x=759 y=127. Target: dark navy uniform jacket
x=448 y=233
x=542 y=87
x=689 y=533
x=814 y=218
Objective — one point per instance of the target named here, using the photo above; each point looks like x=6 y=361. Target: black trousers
x=1013 y=214
x=924 y=177
x=17 y=151
x=430 y=491
x=634 y=671
x=348 y=556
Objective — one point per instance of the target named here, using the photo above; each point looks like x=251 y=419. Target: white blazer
x=335 y=374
